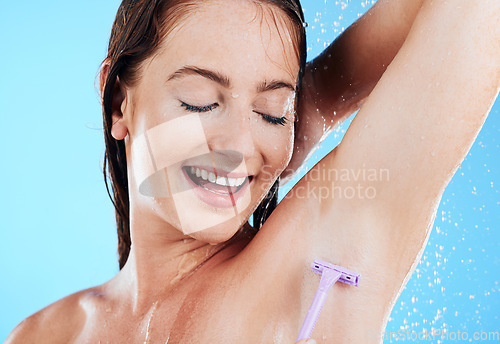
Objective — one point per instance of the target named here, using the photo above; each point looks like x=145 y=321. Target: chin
x=219 y=233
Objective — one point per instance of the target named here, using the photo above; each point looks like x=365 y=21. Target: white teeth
x=210 y=176
x=221 y=181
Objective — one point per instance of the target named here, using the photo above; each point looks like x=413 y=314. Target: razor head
x=347 y=277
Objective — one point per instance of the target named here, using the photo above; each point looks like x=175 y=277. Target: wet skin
x=191 y=285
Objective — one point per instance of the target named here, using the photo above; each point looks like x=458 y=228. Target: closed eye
x=270 y=119
x=205 y=108
x=273 y=120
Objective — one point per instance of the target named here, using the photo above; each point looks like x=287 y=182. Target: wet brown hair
x=136 y=34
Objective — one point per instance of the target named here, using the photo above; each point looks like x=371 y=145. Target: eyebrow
x=224 y=80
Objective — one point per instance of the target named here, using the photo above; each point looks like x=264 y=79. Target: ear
x=119 y=129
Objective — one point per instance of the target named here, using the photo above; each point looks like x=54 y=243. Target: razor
x=330 y=274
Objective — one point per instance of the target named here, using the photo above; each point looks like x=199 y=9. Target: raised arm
x=338 y=80
x=370 y=206
x=414 y=130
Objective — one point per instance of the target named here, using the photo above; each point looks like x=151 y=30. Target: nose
x=233 y=133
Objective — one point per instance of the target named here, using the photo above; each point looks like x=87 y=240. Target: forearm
x=347 y=70
x=343 y=75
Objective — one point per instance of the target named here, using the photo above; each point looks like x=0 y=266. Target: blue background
x=57 y=224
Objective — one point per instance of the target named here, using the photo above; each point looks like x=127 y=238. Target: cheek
x=289 y=144
x=277 y=149
x=165 y=146
x=153 y=105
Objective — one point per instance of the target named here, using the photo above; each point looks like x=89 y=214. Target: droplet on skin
x=234 y=95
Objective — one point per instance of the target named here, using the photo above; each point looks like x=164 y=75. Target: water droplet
x=234 y=95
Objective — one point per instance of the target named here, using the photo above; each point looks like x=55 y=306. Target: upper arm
x=414 y=130
x=369 y=206
x=408 y=139
x=424 y=114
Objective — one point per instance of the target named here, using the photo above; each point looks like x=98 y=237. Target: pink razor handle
x=330 y=274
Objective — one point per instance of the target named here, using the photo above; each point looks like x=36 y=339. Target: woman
x=213 y=92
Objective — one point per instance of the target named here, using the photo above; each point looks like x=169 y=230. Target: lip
x=215 y=199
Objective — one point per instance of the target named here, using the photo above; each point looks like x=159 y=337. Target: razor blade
x=347 y=276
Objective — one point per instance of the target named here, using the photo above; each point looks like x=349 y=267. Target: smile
x=220 y=189
x=196 y=173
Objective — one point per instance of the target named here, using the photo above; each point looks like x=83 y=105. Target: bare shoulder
x=59 y=322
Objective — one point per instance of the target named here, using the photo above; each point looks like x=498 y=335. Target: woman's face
x=210 y=121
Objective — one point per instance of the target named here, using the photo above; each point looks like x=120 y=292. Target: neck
x=161 y=259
